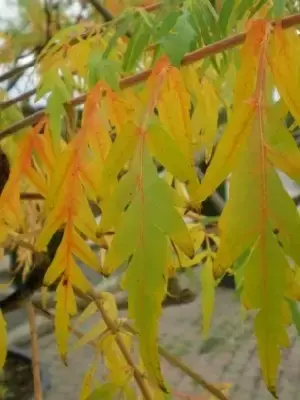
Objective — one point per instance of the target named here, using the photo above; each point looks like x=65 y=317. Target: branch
x=31 y=196
x=189 y=58
x=153 y=7
x=21 y=97
x=114 y=329
x=38 y=392
x=164 y=353
x=196 y=377
x=15 y=71
x=185 y=368
x=17 y=126
x=50 y=316
x=107 y=16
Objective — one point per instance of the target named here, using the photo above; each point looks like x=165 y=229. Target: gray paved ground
x=228 y=356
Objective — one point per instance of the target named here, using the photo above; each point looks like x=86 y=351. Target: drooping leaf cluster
x=109 y=158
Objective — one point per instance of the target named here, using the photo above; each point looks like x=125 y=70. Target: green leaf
x=55 y=108
x=60 y=93
x=164 y=148
x=146 y=17
x=105 y=392
x=52 y=79
x=137 y=44
x=257 y=7
x=267 y=259
x=225 y=14
x=100 y=68
x=166 y=25
x=177 y=43
x=278 y=8
x=122 y=28
x=246 y=5
x=205 y=21
x=142 y=234
x=295 y=314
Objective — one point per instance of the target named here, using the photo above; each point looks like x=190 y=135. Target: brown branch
x=153 y=7
x=107 y=16
x=189 y=58
x=172 y=360
x=24 y=123
x=31 y=196
x=21 y=97
x=15 y=71
x=38 y=392
x=47 y=314
x=164 y=353
x=185 y=368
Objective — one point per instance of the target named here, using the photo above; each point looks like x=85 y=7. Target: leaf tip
x=272 y=390
x=64 y=359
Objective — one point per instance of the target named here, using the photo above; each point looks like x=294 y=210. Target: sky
x=9 y=14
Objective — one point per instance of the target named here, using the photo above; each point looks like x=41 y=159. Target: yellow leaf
x=118 y=110
x=86 y=387
x=233 y=140
x=283 y=151
x=78 y=56
x=174 y=109
x=284 y=63
x=90 y=310
x=119 y=369
x=207 y=295
x=198 y=235
x=121 y=151
x=186 y=262
x=56 y=268
x=78 y=278
x=65 y=306
x=83 y=251
x=110 y=307
x=264 y=290
x=205 y=117
x=167 y=151
x=93 y=334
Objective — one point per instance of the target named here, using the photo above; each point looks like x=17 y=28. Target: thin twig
x=185 y=368
x=162 y=351
x=107 y=16
x=15 y=71
x=38 y=392
x=31 y=196
x=114 y=329
x=153 y=7
x=21 y=97
x=47 y=314
x=189 y=58
x=105 y=13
